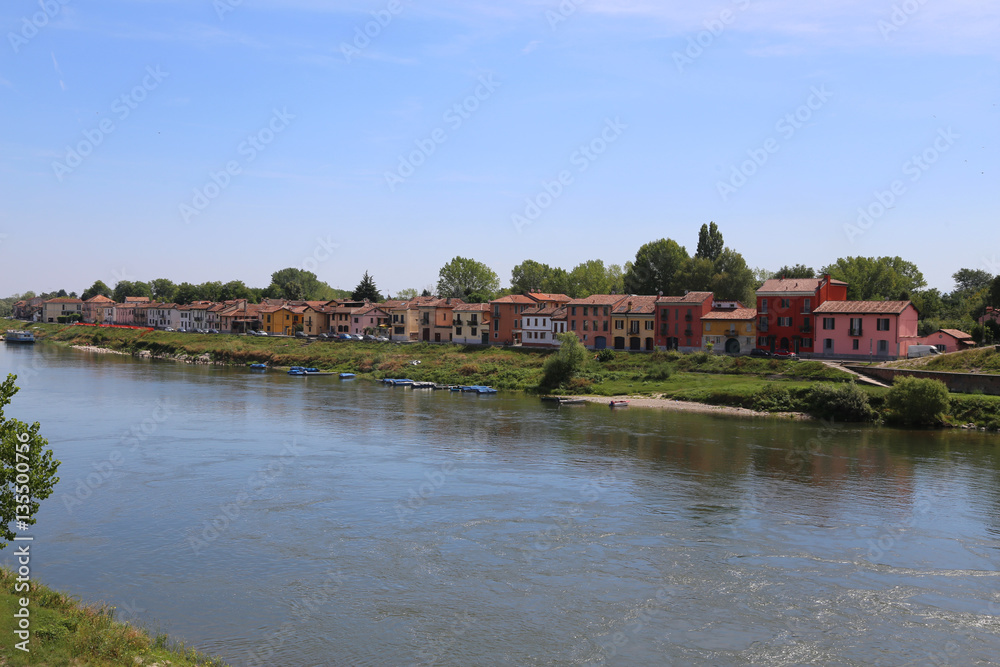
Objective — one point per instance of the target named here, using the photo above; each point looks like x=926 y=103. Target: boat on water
x=346 y=376
x=258 y=367
x=422 y=385
x=299 y=370
x=404 y=382
x=19 y=336
x=618 y=404
x=479 y=389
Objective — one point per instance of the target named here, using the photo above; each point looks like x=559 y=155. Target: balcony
x=732 y=333
x=854 y=331
x=688 y=332
x=805 y=328
x=457 y=321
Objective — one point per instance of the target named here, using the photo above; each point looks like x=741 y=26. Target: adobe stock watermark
x=915 y=167
x=223 y=7
x=562 y=13
x=364 y=34
x=786 y=126
x=899 y=17
x=122 y=107
x=585 y=155
x=218 y=181
x=454 y=117
x=714 y=27
x=323 y=252
x=31 y=25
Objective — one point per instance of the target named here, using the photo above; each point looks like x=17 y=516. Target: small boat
x=479 y=389
x=299 y=370
x=572 y=401
x=258 y=367
x=346 y=376
x=455 y=388
x=401 y=383
x=422 y=385
x=19 y=336
x=618 y=404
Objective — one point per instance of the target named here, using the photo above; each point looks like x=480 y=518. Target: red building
x=507 y=314
x=785 y=307
x=678 y=320
x=590 y=318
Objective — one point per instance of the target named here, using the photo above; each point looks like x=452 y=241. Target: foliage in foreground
x=560 y=367
x=64 y=632
x=917 y=401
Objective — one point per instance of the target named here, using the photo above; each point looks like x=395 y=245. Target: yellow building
x=730 y=330
x=633 y=323
x=281 y=319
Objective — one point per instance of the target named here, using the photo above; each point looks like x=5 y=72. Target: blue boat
x=455 y=388
x=402 y=383
x=259 y=367
x=479 y=389
x=19 y=336
x=346 y=376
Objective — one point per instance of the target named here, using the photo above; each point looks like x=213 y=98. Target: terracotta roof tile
x=637 y=304
x=880 y=307
x=734 y=314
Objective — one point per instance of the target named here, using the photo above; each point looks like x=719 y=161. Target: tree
x=558 y=282
x=27 y=469
x=97 y=288
x=710 y=243
x=124 y=289
x=163 y=290
x=366 y=290
x=564 y=364
x=696 y=275
x=467 y=279
x=295 y=285
x=655 y=268
x=187 y=293
x=876 y=278
x=210 y=291
x=733 y=279
x=917 y=401
x=233 y=290
x=591 y=277
x=407 y=294
x=797 y=271
x=529 y=276
x=972 y=280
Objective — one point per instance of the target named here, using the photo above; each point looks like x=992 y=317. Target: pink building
x=947 y=340
x=369 y=319
x=865 y=329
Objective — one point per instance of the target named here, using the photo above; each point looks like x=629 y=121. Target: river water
x=276 y=520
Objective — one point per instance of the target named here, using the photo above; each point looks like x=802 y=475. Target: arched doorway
x=634 y=343
x=784 y=344
x=600 y=342
x=732 y=346
x=619 y=343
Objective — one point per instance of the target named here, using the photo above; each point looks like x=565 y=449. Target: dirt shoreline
x=690 y=406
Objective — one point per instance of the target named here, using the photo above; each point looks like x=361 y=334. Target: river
x=276 y=520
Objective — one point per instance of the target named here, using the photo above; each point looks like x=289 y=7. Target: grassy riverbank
x=767 y=385
x=65 y=632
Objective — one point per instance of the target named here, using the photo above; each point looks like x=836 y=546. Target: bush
x=660 y=371
x=605 y=355
x=846 y=402
x=564 y=364
x=917 y=401
x=772 y=398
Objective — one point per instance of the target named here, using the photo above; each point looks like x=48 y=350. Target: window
x=855 y=326
x=586 y=325
x=828 y=324
x=806 y=306
x=784 y=321
x=496 y=311
x=619 y=324
x=584 y=311
x=458 y=331
x=763 y=305
x=605 y=313
x=585 y=338
x=605 y=327
x=496 y=327
x=649 y=325
x=807 y=342
x=708 y=326
x=572 y=310
x=572 y=324
x=785 y=303
x=663 y=313
x=854 y=344
x=882 y=324
x=883 y=347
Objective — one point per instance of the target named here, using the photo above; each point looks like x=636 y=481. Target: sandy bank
x=689 y=406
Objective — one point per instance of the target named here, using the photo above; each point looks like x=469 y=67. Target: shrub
x=700 y=357
x=660 y=371
x=562 y=365
x=772 y=398
x=917 y=401
x=579 y=385
x=605 y=355
x=846 y=402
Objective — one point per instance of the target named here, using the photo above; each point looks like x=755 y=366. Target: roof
x=880 y=307
x=99 y=298
x=136 y=299
x=636 y=304
x=955 y=333
x=64 y=299
x=690 y=297
x=515 y=298
x=543 y=296
x=598 y=300
x=364 y=310
x=732 y=314
x=473 y=308
x=790 y=285
x=545 y=310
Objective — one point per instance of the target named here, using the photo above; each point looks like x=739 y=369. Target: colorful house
x=678 y=320
x=436 y=319
x=471 y=322
x=62 y=306
x=405 y=318
x=281 y=319
x=507 y=312
x=882 y=330
x=785 y=311
x=369 y=319
x=537 y=326
x=947 y=340
x=633 y=323
x=162 y=315
x=590 y=318
x=99 y=309
x=729 y=328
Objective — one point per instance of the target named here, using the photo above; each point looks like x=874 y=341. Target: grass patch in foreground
x=65 y=632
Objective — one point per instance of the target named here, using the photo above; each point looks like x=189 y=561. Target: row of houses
x=808 y=316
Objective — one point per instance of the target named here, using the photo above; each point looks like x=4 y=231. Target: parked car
x=382 y=339
x=785 y=354
x=300 y=334
x=213 y=331
x=757 y=352
x=917 y=351
x=344 y=336
x=358 y=337
x=323 y=336
x=370 y=338
x=261 y=333
x=168 y=328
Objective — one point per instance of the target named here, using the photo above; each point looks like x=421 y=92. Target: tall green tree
x=294 y=284
x=407 y=293
x=187 y=293
x=467 y=279
x=592 y=277
x=994 y=297
x=710 y=243
x=210 y=291
x=733 y=279
x=565 y=363
x=366 y=290
x=655 y=268
x=125 y=288
x=97 y=288
x=697 y=274
x=972 y=280
x=876 y=278
x=529 y=276
x=797 y=271
x=27 y=469
x=233 y=290
x=163 y=290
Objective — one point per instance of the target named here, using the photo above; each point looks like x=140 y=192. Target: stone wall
x=963 y=383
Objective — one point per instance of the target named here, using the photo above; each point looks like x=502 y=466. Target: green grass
x=977 y=360
x=65 y=632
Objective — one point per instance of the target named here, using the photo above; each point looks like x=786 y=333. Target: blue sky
x=200 y=140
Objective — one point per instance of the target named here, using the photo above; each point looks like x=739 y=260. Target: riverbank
x=661 y=403
x=63 y=631
x=756 y=385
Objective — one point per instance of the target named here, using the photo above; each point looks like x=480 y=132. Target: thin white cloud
x=55 y=64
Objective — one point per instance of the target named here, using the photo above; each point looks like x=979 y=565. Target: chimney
x=630 y=306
